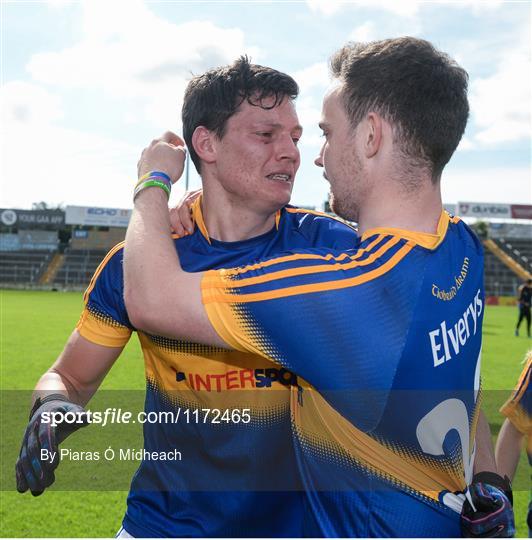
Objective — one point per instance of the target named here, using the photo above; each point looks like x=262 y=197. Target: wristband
x=154 y=174
x=151 y=183
x=147 y=178
x=50 y=397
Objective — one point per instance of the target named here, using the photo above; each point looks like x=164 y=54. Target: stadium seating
x=499 y=280
x=23 y=267
x=78 y=268
x=519 y=249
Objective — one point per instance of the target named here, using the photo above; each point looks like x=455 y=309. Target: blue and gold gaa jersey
x=238 y=475
x=518 y=408
x=386 y=340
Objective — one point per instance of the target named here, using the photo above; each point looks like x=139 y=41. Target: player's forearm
x=484 y=456
x=508 y=449
x=51 y=383
x=56 y=382
x=78 y=371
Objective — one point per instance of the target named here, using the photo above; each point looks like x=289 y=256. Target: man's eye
x=324 y=134
x=296 y=140
x=266 y=134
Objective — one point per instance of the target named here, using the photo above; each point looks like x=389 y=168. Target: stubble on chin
x=343 y=207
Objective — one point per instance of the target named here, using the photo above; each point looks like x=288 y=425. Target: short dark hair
x=212 y=98
x=421 y=91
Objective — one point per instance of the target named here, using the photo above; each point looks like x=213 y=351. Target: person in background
x=524 y=298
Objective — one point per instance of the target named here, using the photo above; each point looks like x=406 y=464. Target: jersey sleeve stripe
x=102 y=331
x=217 y=295
x=217 y=276
x=101 y=266
x=216 y=280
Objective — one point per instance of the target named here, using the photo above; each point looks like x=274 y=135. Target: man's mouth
x=281 y=177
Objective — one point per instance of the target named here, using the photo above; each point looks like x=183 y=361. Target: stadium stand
x=498 y=279
x=519 y=249
x=23 y=267
x=74 y=249
x=78 y=267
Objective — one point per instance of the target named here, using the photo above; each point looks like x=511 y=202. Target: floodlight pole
x=187 y=167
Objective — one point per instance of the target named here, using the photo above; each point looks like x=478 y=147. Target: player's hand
x=492 y=515
x=41 y=439
x=181 y=216
x=166 y=154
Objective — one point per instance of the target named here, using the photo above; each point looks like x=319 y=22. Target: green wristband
x=151 y=183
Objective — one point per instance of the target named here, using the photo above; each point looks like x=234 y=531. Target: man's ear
x=202 y=140
x=373 y=134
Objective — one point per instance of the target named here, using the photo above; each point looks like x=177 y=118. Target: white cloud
x=27 y=103
x=500 y=103
x=485 y=185
x=365 y=32
x=405 y=8
x=141 y=60
x=127 y=51
x=325 y=7
x=315 y=75
x=312 y=80
x=58 y=4
x=309 y=112
x=78 y=168
x=465 y=145
x=477 y=6
x=55 y=164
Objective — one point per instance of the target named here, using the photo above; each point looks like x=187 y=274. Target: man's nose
x=319 y=158
x=288 y=149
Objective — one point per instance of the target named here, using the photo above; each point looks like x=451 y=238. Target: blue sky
x=86 y=85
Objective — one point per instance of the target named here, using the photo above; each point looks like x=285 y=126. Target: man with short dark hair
x=238 y=476
x=385 y=409
x=524 y=297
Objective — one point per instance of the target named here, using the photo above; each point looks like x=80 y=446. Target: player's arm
x=160 y=297
x=65 y=388
x=516 y=424
x=78 y=371
x=508 y=449
x=484 y=455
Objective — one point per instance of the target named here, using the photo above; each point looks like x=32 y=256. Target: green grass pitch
x=33 y=329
